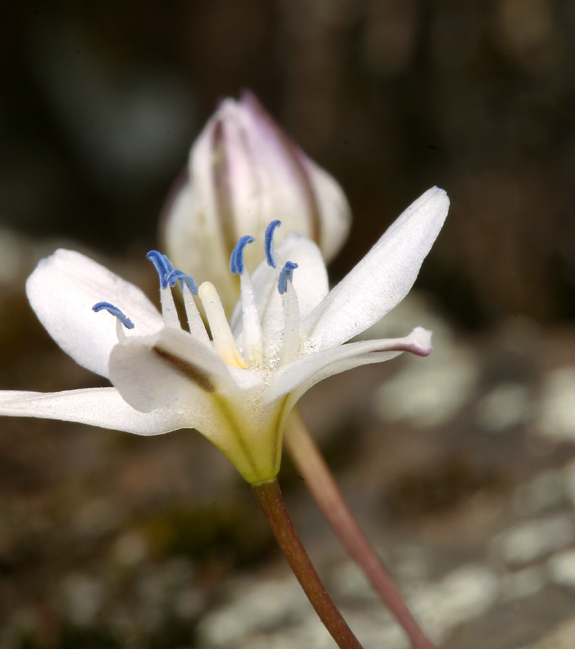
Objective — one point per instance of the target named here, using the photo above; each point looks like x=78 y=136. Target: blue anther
x=182 y=278
x=286 y=273
x=237 y=258
x=168 y=264
x=110 y=308
x=162 y=267
x=269 y=242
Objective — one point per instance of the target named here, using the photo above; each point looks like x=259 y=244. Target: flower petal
x=102 y=407
x=169 y=369
x=175 y=373
x=284 y=183
x=334 y=210
x=382 y=278
x=196 y=241
x=62 y=291
x=244 y=172
x=307 y=371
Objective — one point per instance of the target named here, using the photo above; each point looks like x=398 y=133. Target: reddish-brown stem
x=326 y=493
x=271 y=501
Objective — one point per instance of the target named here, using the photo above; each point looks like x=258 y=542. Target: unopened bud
x=244 y=172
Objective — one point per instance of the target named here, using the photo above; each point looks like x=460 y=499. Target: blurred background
x=108 y=540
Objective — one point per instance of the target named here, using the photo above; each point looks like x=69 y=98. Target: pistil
x=224 y=342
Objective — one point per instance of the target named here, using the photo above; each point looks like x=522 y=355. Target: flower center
x=223 y=342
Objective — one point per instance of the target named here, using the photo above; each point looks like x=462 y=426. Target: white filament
x=195 y=322
x=120 y=330
x=169 y=311
x=252 y=329
x=291 y=338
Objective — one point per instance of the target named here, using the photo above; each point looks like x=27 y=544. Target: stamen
x=237 y=258
x=189 y=288
x=222 y=336
x=291 y=338
x=182 y=279
x=252 y=329
x=110 y=308
x=168 y=263
x=269 y=242
x=164 y=267
x=162 y=264
x=285 y=274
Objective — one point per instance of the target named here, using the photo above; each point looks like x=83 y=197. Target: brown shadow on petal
x=191 y=371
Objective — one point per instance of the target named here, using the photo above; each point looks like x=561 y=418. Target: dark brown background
x=99 y=103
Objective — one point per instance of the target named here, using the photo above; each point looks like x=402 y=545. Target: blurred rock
x=523 y=583
x=130 y=549
x=544 y=492
x=83 y=599
x=556 y=412
x=560 y=638
x=562 y=568
x=506 y=406
x=569 y=476
x=253 y=607
x=463 y=594
x=97 y=517
x=531 y=540
x=430 y=391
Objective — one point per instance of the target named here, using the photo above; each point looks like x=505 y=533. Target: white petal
x=382 y=278
x=196 y=241
x=286 y=192
x=102 y=407
x=189 y=379
x=62 y=291
x=294 y=189
x=242 y=181
x=169 y=370
x=334 y=210
x=244 y=172
x=307 y=371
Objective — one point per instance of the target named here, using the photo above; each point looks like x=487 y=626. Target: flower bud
x=244 y=172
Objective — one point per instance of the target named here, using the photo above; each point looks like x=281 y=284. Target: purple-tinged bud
x=244 y=172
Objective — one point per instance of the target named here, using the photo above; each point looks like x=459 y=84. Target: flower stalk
x=271 y=501
x=310 y=463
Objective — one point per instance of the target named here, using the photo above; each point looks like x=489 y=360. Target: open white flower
x=243 y=172
x=238 y=387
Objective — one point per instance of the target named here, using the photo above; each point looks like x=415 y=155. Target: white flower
x=244 y=172
x=286 y=334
